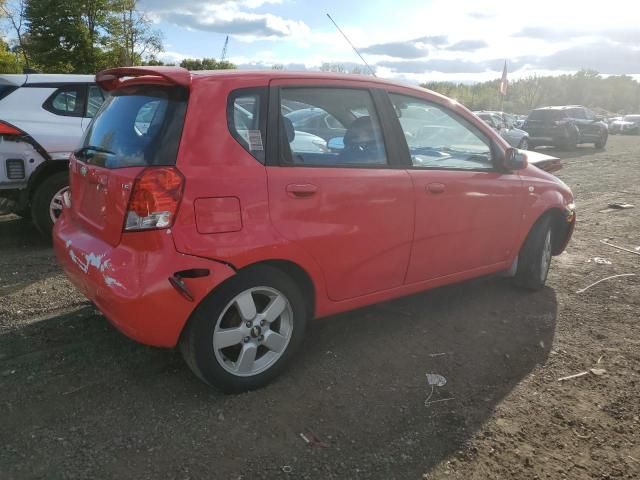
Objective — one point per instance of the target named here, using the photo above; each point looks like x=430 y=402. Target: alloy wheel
x=56 y=204
x=253 y=331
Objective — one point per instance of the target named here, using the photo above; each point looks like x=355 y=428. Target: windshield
x=136 y=126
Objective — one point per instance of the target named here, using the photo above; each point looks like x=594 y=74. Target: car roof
x=560 y=107
x=47 y=79
x=109 y=79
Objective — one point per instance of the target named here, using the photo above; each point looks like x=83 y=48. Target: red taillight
x=154 y=199
x=6 y=129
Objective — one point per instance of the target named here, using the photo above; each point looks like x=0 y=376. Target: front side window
x=67 y=101
x=440 y=139
x=338 y=127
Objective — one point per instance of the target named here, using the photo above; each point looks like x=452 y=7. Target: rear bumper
x=130 y=283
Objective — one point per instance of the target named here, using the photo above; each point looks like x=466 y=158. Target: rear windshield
x=546 y=115
x=136 y=126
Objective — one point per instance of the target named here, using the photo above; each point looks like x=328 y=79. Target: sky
x=409 y=40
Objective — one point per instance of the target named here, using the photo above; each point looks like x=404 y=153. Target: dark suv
x=565 y=127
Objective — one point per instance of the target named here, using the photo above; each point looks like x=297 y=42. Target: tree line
x=81 y=36
x=615 y=94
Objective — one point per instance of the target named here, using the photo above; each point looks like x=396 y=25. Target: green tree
x=206 y=64
x=131 y=36
x=15 y=16
x=10 y=62
x=57 y=37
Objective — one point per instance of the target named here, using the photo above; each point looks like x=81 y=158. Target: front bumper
x=130 y=283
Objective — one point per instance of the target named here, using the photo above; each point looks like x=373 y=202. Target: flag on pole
x=504 y=83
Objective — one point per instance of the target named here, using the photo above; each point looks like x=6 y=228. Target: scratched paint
x=99 y=262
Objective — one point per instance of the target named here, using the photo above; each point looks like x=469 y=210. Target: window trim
x=262 y=93
x=82 y=90
x=405 y=145
x=274 y=153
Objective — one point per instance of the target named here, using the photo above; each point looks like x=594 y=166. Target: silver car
x=503 y=123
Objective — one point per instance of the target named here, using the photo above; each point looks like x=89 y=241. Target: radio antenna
x=352 y=46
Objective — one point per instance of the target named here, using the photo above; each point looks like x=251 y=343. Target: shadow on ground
x=82 y=401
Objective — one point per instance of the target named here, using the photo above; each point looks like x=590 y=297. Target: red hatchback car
x=222 y=211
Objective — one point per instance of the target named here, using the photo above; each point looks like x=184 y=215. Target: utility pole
x=223 y=55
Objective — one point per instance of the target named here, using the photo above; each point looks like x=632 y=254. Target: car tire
x=601 y=142
x=221 y=343
x=47 y=200
x=534 y=258
x=524 y=144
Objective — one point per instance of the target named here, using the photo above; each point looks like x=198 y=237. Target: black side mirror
x=513 y=159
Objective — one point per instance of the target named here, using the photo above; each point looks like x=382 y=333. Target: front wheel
x=245 y=333
x=46 y=205
x=524 y=144
x=534 y=259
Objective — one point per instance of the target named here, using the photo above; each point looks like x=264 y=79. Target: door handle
x=435 y=187
x=300 y=190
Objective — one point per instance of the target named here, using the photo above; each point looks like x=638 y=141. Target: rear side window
x=247 y=120
x=6 y=90
x=94 y=101
x=136 y=126
x=338 y=127
x=546 y=115
x=67 y=101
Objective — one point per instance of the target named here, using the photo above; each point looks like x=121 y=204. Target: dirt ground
x=79 y=400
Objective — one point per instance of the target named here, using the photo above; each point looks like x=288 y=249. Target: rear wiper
x=82 y=152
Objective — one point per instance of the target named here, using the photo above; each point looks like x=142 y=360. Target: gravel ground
x=79 y=400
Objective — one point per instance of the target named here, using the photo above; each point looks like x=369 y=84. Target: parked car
x=627 y=125
x=42 y=118
x=193 y=234
x=317 y=122
x=565 y=127
x=504 y=125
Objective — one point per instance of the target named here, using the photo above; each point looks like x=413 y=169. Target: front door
x=467 y=212
x=350 y=208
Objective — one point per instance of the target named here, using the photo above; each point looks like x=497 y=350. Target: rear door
x=350 y=208
x=139 y=127
x=466 y=212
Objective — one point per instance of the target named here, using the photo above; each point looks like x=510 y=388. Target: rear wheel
x=245 y=333
x=534 y=259
x=602 y=141
x=46 y=205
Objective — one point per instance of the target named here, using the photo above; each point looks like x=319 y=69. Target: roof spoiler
x=112 y=78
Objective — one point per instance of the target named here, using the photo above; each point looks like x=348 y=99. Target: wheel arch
x=44 y=170
x=561 y=229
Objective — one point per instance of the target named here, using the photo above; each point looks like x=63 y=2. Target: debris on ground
x=312 y=439
x=582 y=290
x=434 y=379
x=618 y=247
x=620 y=205
x=575 y=375
x=599 y=261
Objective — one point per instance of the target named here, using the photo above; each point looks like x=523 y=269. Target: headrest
x=287 y=125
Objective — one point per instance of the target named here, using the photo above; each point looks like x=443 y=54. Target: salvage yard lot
x=79 y=400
